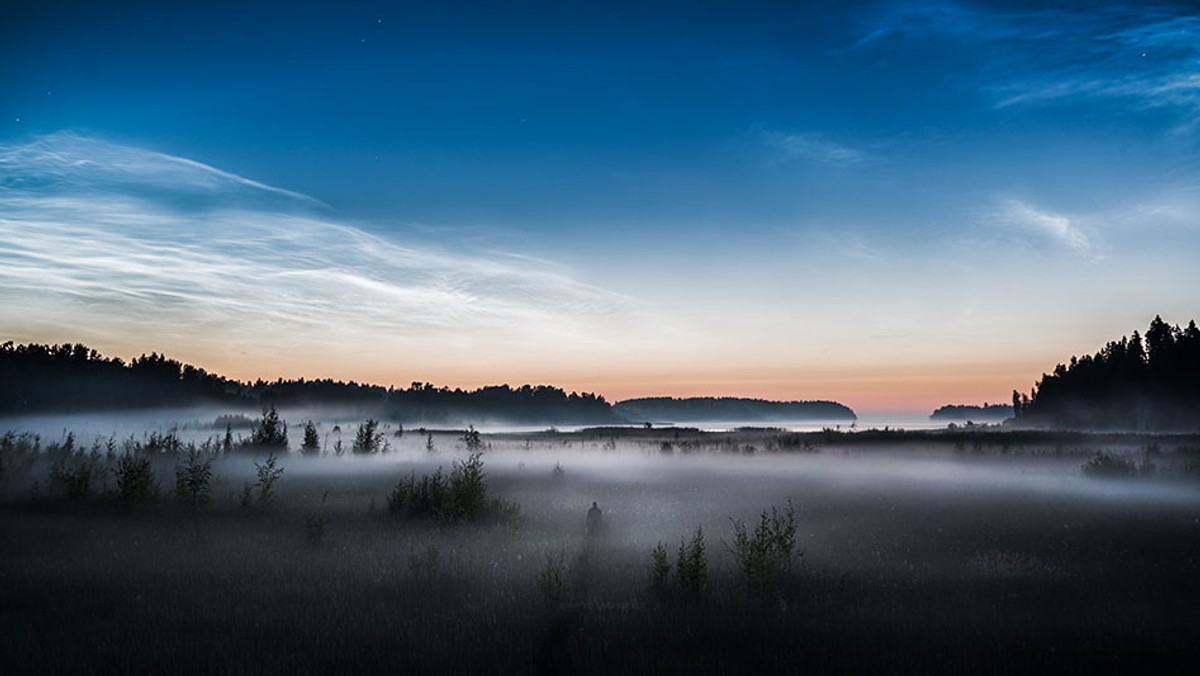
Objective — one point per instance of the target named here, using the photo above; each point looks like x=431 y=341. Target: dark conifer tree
x=1129 y=384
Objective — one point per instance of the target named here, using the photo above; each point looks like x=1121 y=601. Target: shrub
x=368 y=439
x=660 y=569
x=193 y=478
x=765 y=556
x=262 y=493
x=269 y=433
x=558 y=471
x=168 y=443
x=506 y=512
x=552 y=579
x=17 y=453
x=426 y=496
x=459 y=497
x=429 y=447
x=691 y=565
x=64 y=450
x=473 y=440
x=74 y=473
x=75 y=481
x=135 y=480
x=468 y=489
x=312 y=441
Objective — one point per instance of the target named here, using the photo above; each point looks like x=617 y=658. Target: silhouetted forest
x=1137 y=383
x=61 y=378
x=731 y=409
x=987 y=412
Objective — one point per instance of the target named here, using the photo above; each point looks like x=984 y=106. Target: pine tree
x=312 y=441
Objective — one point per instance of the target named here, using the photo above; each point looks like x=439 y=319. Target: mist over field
x=599 y=338
x=927 y=552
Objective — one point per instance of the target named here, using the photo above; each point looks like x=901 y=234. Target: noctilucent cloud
x=896 y=205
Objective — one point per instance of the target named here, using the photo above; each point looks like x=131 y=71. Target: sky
x=895 y=205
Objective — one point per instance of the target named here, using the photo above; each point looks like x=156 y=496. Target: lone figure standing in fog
x=593 y=520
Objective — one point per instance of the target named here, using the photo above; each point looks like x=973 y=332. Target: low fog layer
x=931 y=542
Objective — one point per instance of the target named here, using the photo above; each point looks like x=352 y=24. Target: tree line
x=733 y=409
x=37 y=378
x=971 y=412
x=1149 y=382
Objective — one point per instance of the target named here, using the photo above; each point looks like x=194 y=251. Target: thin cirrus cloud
x=101 y=239
x=1060 y=230
x=1146 y=57
x=816 y=148
x=1155 y=64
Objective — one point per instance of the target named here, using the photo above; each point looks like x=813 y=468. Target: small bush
x=426 y=496
x=468 y=489
x=660 y=569
x=18 y=452
x=558 y=472
x=262 y=493
x=457 y=498
x=75 y=474
x=135 y=480
x=167 y=443
x=75 y=482
x=472 y=440
x=193 y=478
x=506 y=513
x=765 y=556
x=691 y=564
x=312 y=441
x=232 y=420
x=552 y=579
x=269 y=433
x=368 y=439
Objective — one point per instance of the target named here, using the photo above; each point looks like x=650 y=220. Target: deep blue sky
x=850 y=187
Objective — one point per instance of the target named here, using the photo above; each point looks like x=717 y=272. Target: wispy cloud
x=106 y=238
x=908 y=21
x=1057 y=228
x=813 y=147
x=68 y=162
x=1148 y=57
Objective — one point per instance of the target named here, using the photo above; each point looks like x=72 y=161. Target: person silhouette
x=593 y=520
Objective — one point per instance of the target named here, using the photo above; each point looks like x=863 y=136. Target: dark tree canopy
x=986 y=412
x=730 y=409
x=61 y=378
x=1136 y=383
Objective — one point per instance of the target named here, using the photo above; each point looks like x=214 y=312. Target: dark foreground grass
x=232 y=595
x=904 y=580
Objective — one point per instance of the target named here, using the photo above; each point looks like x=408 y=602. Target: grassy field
x=919 y=557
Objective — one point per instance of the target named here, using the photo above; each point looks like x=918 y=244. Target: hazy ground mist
x=916 y=557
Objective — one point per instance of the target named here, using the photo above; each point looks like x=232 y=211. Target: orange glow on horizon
x=909 y=388
x=883 y=387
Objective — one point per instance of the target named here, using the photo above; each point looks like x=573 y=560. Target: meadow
x=980 y=551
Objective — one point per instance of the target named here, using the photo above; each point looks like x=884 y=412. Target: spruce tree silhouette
x=1132 y=383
